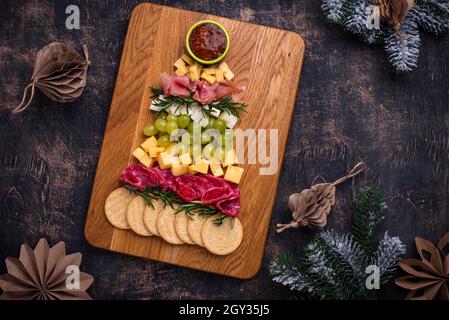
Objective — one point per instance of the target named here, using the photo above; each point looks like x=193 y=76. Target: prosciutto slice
x=211 y=190
x=201 y=91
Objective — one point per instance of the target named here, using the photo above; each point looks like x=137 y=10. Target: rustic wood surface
x=152 y=44
x=349 y=108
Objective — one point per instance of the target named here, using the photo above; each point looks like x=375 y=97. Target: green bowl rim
x=228 y=42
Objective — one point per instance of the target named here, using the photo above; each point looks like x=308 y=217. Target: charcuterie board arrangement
x=169 y=185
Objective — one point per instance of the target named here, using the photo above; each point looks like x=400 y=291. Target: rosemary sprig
x=170 y=198
x=223 y=104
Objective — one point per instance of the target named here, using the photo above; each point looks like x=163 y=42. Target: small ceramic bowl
x=228 y=42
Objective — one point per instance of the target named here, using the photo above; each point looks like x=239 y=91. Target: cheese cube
x=208 y=77
x=175 y=161
x=181 y=71
x=149 y=143
x=228 y=74
x=230 y=119
x=190 y=170
x=165 y=160
x=145 y=159
x=219 y=74
x=154 y=152
x=230 y=158
x=154 y=107
x=214 y=112
x=180 y=63
x=234 y=174
x=201 y=166
x=216 y=169
x=172 y=149
x=195 y=71
x=210 y=70
x=185 y=159
x=178 y=170
x=187 y=59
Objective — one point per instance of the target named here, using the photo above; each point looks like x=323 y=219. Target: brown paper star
x=41 y=274
x=428 y=278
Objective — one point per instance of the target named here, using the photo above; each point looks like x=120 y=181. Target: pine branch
x=369 y=204
x=226 y=104
x=432 y=16
x=334 y=10
x=356 y=22
x=387 y=256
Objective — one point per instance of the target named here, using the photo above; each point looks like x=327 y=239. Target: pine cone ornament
x=311 y=207
x=41 y=274
x=393 y=11
x=59 y=72
x=428 y=278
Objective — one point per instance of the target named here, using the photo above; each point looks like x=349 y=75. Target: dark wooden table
x=349 y=108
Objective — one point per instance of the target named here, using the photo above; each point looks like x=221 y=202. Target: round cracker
x=222 y=239
x=166 y=226
x=194 y=227
x=134 y=216
x=116 y=205
x=150 y=216
x=181 y=220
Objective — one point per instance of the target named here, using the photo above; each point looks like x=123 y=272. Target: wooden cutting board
x=266 y=61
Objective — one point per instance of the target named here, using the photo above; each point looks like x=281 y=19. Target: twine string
x=22 y=106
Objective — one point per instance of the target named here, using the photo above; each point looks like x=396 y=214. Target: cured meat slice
x=230 y=206
x=205 y=93
x=175 y=86
x=140 y=177
x=226 y=89
x=214 y=195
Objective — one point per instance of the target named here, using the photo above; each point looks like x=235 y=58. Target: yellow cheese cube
x=234 y=174
x=145 y=159
x=230 y=158
x=149 y=143
x=195 y=71
x=178 y=169
x=210 y=70
x=154 y=152
x=165 y=160
x=219 y=74
x=208 y=77
x=185 y=159
x=187 y=59
x=228 y=74
x=180 y=63
x=175 y=161
x=191 y=170
x=181 y=71
x=216 y=169
x=172 y=149
x=201 y=166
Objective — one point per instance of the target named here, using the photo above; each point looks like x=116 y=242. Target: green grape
x=172 y=126
x=161 y=125
x=227 y=137
x=164 y=141
x=171 y=117
x=208 y=151
x=150 y=130
x=182 y=148
x=205 y=138
x=190 y=127
x=220 y=125
x=210 y=125
x=183 y=121
x=162 y=115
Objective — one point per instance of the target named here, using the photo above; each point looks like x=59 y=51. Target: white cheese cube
x=214 y=112
x=230 y=119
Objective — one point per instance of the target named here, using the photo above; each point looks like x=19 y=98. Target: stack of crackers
x=126 y=210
